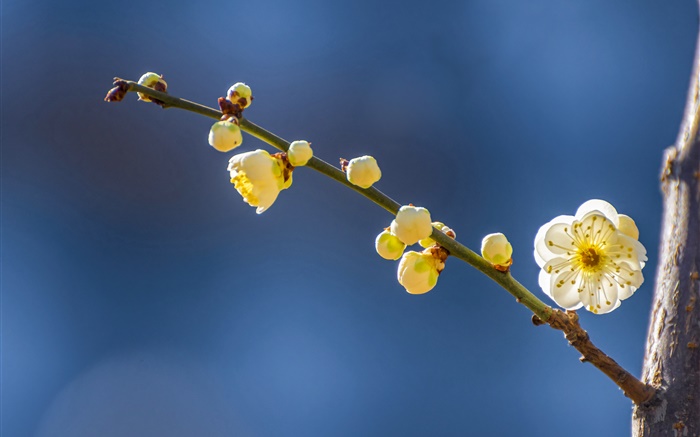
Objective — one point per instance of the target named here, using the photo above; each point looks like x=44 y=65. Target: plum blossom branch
x=567 y=322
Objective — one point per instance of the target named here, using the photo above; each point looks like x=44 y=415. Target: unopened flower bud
x=389 y=246
x=427 y=242
x=150 y=80
x=628 y=226
x=496 y=249
x=411 y=224
x=299 y=153
x=363 y=171
x=240 y=93
x=418 y=271
x=225 y=136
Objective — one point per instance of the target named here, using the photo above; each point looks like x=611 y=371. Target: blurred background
x=142 y=297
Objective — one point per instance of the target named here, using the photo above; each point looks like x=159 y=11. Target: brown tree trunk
x=672 y=358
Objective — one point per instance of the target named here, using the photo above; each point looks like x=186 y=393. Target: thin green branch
x=637 y=391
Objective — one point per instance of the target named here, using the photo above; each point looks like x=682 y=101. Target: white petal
x=600 y=295
x=558 y=240
x=624 y=293
x=628 y=226
x=544 y=281
x=542 y=253
x=627 y=250
x=602 y=206
x=566 y=294
x=608 y=301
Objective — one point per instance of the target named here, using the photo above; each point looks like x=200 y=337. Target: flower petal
x=544 y=282
x=558 y=240
x=600 y=294
x=565 y=288
x=602 y=206
x=542 y=254
x=609 y=297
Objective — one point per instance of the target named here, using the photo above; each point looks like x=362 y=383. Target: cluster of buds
x=418 y=271
x=225 y=135
x=592 y=259
x=258 y=176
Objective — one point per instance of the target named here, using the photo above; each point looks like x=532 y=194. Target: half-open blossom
x=299 y=153
x=240 y=93
x=225 y=136
x=258 y=177
x=418 y=271
x=427 y=242
x=496 y=249
x=363 y=171
x=412 y=224
x=592 y=259
x=388 y=246
x=150 y=80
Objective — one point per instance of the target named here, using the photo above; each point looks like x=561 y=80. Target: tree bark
x=672 y=357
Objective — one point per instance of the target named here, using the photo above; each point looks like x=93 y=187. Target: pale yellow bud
x=427 y=242
x=225 y=136
x=496 y=249
x=363 y=171
x=389 y=246
x=411 y=224
x=418 y=272
x=240 y=93
x=150 y=80
x=299 y=153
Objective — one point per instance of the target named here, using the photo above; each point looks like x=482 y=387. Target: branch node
x=537 y=321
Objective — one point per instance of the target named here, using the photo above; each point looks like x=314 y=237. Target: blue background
x=142 y=297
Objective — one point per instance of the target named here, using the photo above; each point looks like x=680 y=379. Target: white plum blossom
x=299 y=153
x=258 y=177
x=388 y=246
x=240 y=93
x=496 y=249
x=225 y=136
x=418 y=271
x=363 y=171
x=591 y=259
x=412 y=224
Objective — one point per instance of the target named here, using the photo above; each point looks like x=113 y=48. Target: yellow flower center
x=245 y=187
x=590 y=258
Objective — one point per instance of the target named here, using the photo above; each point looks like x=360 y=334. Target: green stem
x=505 y=280
x=565 y=322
